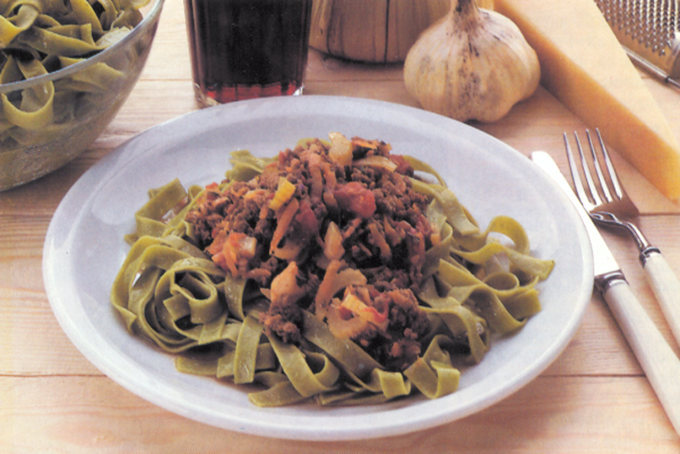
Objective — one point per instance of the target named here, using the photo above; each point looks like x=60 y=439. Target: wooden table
x=594 y=398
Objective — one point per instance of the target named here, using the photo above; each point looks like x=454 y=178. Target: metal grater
x=649 y=31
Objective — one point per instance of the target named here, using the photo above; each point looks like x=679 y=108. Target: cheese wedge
x=584 y=66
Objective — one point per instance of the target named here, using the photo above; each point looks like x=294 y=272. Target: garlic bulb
x=373 y=31
x=473 y=64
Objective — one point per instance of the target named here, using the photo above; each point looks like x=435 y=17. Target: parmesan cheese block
x=585 y=67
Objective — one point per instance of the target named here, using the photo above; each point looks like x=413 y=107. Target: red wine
x=243 y=49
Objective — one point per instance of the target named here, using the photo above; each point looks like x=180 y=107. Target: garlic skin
x=473 y=64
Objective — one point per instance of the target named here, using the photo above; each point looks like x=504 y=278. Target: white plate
x=84 y=249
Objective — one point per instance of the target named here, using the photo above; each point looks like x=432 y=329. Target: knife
x=657 y=359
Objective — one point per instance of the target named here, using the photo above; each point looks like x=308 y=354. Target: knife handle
x=657 y=359
x=666 y=288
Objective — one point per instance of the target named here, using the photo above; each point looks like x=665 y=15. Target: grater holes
x=652 y=23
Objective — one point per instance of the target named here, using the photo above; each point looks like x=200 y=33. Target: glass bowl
x=49 y=119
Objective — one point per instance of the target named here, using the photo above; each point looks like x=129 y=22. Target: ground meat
x=377 y=212
x=397 y=347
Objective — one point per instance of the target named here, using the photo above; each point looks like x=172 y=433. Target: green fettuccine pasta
x=181 y=296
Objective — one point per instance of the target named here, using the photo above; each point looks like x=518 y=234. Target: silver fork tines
x=606 y=199
x=592 y=200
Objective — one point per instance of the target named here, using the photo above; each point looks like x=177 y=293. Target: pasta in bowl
x=66 y=68
x=337 y=271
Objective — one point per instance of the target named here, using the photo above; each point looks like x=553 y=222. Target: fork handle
x=666 y=288
x=657 y=359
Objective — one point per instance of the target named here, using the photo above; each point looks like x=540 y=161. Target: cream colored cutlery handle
x=666 y=289
x=657 y=359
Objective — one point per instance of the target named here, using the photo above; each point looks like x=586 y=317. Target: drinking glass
x=243 y=49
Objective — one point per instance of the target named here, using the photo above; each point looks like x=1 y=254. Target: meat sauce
x=364 y=220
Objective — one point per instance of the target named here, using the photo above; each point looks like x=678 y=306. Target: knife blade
x=656 y=357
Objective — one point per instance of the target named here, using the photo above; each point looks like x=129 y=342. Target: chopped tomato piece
x=306 y=224
x=354 y=197
x=403 y=166
x=233 y=252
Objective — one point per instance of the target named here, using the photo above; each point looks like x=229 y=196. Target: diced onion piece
x=354 y=304
x=343 y=326
x=362 y=310
x=377 y=161
x=333 y=248
x=335 y=280
x=284 y=288
x=340 y=151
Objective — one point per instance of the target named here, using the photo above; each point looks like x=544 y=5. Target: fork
x=605 y=202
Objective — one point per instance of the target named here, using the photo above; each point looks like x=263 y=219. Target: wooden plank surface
x=593 y=399
x=85 y=414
